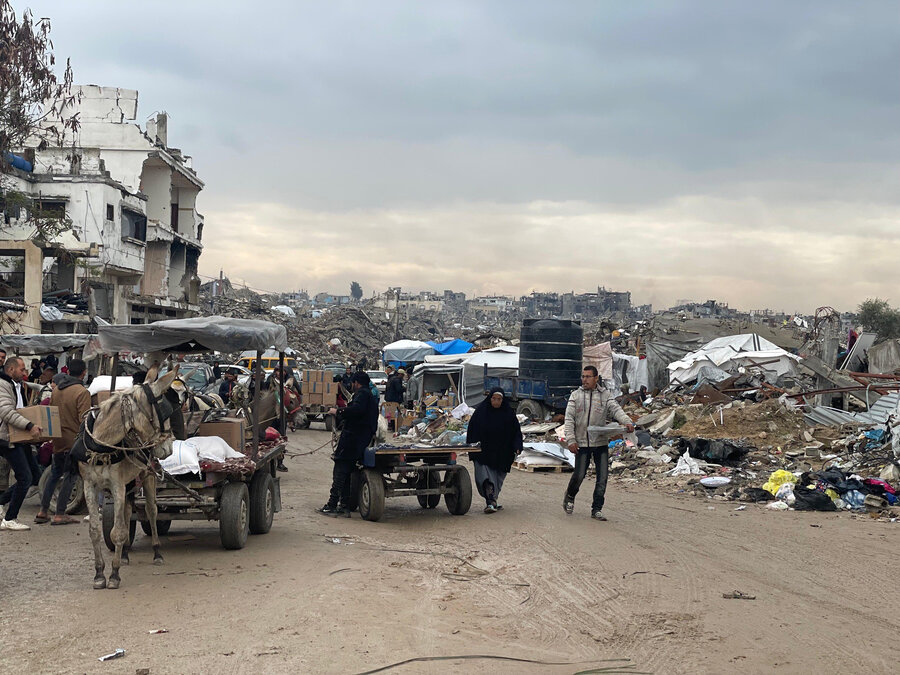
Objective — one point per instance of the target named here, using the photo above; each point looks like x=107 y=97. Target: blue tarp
x=456 y=346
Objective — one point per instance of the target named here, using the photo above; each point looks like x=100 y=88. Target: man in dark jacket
x=360 y=422
x=393 y=390
x=73 y=401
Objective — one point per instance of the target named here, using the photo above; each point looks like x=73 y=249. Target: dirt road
x=642 y=591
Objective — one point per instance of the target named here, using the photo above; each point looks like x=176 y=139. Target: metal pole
x=257 y=377
x=115 y=369
x=283 y=384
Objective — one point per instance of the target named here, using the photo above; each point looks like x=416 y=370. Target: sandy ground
x=642 y=592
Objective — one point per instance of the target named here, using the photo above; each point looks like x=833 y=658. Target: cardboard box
x=312 y=398
x=230 y=429
x=100 y=396
x=44 y=416
x=329 y=396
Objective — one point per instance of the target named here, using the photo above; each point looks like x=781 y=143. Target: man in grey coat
x=11 y=398
x=590 y=406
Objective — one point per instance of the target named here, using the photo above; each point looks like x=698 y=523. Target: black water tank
x=551 y=349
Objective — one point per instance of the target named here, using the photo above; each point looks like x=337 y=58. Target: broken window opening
x=174 y=219
x=110 y=212
x=50 y=209
x=134 y=225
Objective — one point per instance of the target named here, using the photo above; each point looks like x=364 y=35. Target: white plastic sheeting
x=730 y=353
x=406 y=351
x=501 y=362
x=186 y=455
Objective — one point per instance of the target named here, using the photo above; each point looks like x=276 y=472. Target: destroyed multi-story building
x=587 y=306
x=131 y=202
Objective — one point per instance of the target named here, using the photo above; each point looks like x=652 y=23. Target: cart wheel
x=162 y=527
x=76 y=498
x=329 y=422
x=262 y=502
x=234 y=515
x=429 y=480
x=107 y=517
x=460 y=499
x=371 y=495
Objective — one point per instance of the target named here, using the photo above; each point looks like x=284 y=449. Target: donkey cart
x=424 y=472
x=241 y=493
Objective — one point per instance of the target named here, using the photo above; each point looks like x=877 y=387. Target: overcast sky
x=743 y=151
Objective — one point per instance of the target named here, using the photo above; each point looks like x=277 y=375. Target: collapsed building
x=131 y=251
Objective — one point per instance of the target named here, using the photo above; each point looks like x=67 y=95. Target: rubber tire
x=460 y=500
x=428 y=501
x=76 y=499
x=532 y=409
x=329 y=422
x=107 y=516
x=262 y=502
x=371 y=495
x=234 y=516
x=162 y=527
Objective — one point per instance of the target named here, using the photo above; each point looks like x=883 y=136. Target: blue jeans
x=601 y=464
x=17 y=456
x=58 y=469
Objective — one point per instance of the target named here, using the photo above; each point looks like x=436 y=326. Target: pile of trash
x=765 y=452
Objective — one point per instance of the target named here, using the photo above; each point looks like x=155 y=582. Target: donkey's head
x=130 y=418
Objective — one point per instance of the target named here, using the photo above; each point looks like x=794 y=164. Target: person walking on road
x=360 y=422
x=11 y=398
x=590 y=406
x=73 y=401
x=495 y=426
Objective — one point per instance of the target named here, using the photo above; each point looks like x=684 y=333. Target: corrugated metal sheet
x=877 y=414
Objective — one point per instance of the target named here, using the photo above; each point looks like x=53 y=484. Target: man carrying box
x=11 y=398
x=73 y=401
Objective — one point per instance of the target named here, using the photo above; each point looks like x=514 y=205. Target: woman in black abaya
x=494 y=425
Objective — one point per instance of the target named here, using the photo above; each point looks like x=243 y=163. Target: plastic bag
x=786 y=493
x=854 y=499
x=777 y=479
x=686 y=465
x=812 y=500
x=778 y=506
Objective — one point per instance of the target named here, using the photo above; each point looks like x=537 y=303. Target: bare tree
x=35 y=106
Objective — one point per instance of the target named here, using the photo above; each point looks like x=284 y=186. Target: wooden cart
x=242 y=495
x=423 y=472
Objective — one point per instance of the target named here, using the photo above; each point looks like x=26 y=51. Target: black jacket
x=360 y=420
x=393 y=391
x=498 y=432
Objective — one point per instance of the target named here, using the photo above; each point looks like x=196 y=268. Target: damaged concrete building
x=131 y=200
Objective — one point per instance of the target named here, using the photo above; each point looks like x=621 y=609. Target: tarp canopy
x=198 y=334
x=50 y=343
x=406 y=351
x=455 y=346
x=501 y=362
x=731 y=353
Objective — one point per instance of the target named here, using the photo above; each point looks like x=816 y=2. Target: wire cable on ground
x=622 y=665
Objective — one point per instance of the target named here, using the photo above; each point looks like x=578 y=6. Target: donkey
x=119 y=443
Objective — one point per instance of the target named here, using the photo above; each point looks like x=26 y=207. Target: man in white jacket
x=590 y=406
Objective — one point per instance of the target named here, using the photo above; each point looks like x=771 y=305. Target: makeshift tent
x=406 y=351
x=500 y=361
x=730 y=353
x=631 y=370
x=455 y=346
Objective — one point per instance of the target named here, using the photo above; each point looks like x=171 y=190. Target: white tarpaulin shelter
x=406 y=351
x=500 y=361
x=601 y=357
x=730 y=353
